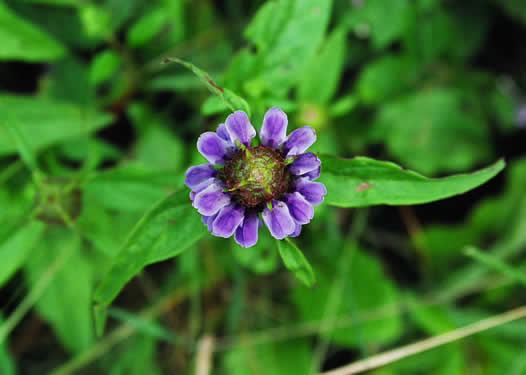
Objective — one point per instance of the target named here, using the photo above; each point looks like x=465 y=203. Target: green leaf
x=104 y=66
x=235 y=102
x=296 y=42
x=287 y=34
x=322 y=74
x=268 y=22
x=96 y=20
x=418 y=128
x=343 y=106
x=301 y=34
x=291 y=357
x=20 y=40
x=148 y=327
x=153 y=146
x=363 y=289
x=495 y=263
x=434 y=33
x=471 y=24
x=62 y=23
x=72 y=3
x=231 y=100
x=15 y=250
x=386 y=77
x=15 y=209
x=156 y=138
x=212 y=106
x=296 y=262
x=511 y=242
x=433 y=319
x=362 y=181
x=7 y=364
x=21 y=143
x=168 y=229
x=495 y=214
x=490 y=218
x=262 y=257
x=69 y=81
x=136 y=356
x=384 y=21
x=147 y=27
x=44 y=122
x=469 y=315
x=131 y=188
x=106 y=228
x=66 y=303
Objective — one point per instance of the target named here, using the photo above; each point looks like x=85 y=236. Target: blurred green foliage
x=97 y=130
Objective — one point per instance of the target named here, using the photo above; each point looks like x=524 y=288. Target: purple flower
x=242 y=185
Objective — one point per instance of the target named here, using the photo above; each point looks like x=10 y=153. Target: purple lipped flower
x=242 y=185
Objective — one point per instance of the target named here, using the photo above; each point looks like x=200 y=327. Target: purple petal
x=210 y=200
x=247 y=232
x=203 y=186
x=299 y=141
x=301 y=210
x=213 y=148
x=278 y=220
x=229 y=218
x=196 y=176
x=313 y=192
x=239 y=128
x=297 y=231
x=314 y=174
x=222 y=132
x=208 y=220
x=304 y=163
x=274 y=130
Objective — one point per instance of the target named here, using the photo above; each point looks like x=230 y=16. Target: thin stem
x=427 y=344
x=205 y=351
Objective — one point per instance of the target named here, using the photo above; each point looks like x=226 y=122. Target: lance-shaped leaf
x=20 y=40
x=296 y=262
x=362 y=181
x=164 y=232
x=44 y=122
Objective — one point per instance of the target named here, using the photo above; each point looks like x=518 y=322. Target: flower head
x=242 y=181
